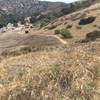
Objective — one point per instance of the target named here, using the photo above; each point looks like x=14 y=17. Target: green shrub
x=42 y=25
x=56 y=68
x=67 y=10
x=69 y=26
x=57 y=31
x=33 y=20
x=79 y=27
x=65 y=33
x=52 y=27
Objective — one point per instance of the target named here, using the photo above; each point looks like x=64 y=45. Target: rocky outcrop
x=86 y=21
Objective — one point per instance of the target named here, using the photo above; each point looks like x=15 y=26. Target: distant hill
x=12 y=11
x=28 y=7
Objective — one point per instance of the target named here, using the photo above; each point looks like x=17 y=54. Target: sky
x=67 y=1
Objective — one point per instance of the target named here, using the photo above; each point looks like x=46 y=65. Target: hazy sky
x=67 y=1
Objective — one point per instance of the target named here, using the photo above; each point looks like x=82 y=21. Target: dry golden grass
x=58 y=73
x=68 y=73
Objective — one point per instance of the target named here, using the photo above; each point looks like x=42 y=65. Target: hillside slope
x=26 y=8
x=18 y=10
x=41 y=65
x=71 y=22
x=68 y=73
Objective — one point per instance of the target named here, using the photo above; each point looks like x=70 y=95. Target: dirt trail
x=57 y=37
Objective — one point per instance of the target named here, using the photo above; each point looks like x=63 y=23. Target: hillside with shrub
x=51 y=55
x=13 y=11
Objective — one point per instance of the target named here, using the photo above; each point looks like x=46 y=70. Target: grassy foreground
x=68 y=73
